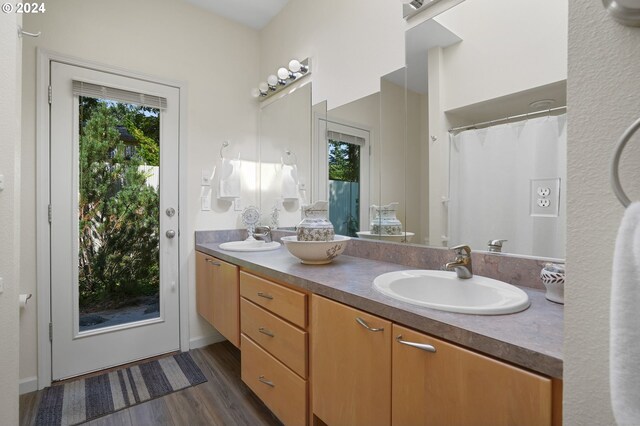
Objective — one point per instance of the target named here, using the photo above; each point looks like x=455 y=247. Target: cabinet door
x=226 y=300
x=204 y=286
x=218 y=295
x=351 y=365
x=455 y=386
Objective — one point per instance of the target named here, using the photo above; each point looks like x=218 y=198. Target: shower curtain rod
x=513 y=117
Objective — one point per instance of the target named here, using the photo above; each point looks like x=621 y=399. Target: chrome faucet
x=262 y=233
x=495 y=246
x=462 y=263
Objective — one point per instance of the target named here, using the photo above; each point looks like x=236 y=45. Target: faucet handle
x=497 y=243
x=462 y=249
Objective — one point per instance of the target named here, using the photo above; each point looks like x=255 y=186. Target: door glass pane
x=119 y=220
x=344 y=187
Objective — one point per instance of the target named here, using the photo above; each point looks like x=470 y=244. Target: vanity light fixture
x=412 y=7
x=282 y=78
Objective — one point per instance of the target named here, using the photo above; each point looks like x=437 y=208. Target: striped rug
x=85 y=399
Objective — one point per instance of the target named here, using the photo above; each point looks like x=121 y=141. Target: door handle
x=170 y=233
x=266 y=382
x=423 y=346
x=365 y=325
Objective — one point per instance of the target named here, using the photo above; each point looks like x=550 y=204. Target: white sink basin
x=250 y=245
x=443 y=290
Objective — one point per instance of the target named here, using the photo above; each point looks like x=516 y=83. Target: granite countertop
x=532 y=339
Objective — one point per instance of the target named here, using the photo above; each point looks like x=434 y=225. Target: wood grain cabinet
x=350 y=365
x=368 y=371
x=218 y=295
x=455 y=386
x=274 y=346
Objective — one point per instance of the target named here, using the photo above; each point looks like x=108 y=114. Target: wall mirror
x=466 y=143
x=286 y=130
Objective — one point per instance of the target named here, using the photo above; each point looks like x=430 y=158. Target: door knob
x=170 y=233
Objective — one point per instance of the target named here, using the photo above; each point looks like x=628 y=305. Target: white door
x=114 y=221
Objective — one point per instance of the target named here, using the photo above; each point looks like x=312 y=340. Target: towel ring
x=615 y=163
x=224 y=145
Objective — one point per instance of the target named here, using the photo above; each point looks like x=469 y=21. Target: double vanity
x=323 y=345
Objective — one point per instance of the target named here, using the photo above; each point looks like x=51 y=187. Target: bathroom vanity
x=321 y=346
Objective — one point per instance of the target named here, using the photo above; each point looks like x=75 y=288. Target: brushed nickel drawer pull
x=267 y=332
x=266 y=382
x=212 y=262
x=423 y=346
x=365 y=325
x=265 y=295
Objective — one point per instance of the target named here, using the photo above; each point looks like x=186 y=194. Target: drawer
x=282 y=301
x=281 y=339
x=278 y=387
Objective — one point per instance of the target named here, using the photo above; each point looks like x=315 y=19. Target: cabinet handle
x=266 y=382
x=212 y=262
x=423 y=346
x=267 y=332
x=365 y=325
x=265 y=295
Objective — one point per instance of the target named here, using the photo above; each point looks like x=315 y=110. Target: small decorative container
x=315 y=226
x=552 y=276
x=384 y=220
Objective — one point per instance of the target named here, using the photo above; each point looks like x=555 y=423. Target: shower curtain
x=491 y=190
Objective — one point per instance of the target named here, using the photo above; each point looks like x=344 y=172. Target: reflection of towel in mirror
x=229 y=178
x=625 y=322
x=289 y=181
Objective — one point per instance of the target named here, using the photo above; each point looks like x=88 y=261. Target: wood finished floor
x=222 y=400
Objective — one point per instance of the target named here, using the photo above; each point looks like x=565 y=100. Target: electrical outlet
x=545 y=197
x=1 y=285
x=1 y=183
x=544 y=202
x=543 y=191
x=237 y=205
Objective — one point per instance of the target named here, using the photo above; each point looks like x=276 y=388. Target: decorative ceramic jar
x=384 y=220
x=315 y=226
x=552 y=276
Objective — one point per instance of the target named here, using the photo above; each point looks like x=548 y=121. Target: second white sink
x=443 y=290
x=250 y=245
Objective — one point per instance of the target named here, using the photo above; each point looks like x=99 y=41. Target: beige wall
x=603 y=101
x=506 y=56
x=168 y=39
x=9 y=216
x=353 y=43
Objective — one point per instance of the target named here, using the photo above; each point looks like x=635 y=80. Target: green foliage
x=344 y=161
x=119 y=213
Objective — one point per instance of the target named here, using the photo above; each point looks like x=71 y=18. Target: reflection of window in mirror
x=347 y=164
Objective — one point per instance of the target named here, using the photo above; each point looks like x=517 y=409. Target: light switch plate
x=206 y=177
x=544 y=197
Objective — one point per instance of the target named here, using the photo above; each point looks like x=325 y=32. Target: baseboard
x=199 y=342
x=29 y=384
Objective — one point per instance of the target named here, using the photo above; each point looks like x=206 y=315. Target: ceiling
x=253 y=13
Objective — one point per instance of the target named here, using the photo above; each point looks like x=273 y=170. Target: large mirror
x=465 y=144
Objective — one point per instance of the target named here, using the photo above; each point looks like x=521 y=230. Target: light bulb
x=255 y=92
x=296 y=66
x=283 y=73
x=264 y=87
x=272 y=81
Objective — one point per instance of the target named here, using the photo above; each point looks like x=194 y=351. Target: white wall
x=168 y=39
x=524 y=46
x=603 y=101
x=9 y=216
x=353 y=43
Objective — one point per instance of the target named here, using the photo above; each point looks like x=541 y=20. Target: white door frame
x=43 y=245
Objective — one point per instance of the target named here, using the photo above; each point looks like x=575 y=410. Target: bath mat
x=92 y=397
